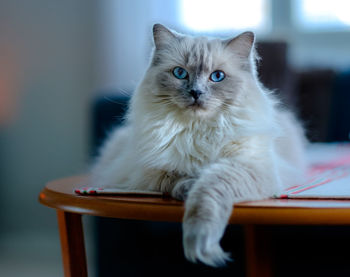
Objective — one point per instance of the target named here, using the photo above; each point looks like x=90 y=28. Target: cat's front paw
x=182 y=187
x=201 y=243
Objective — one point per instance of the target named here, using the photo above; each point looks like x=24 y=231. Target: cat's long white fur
x=246 y=151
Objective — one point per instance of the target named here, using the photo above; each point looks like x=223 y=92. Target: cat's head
x=197 y=75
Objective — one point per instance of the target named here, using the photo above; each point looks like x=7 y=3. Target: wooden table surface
x=59 y=194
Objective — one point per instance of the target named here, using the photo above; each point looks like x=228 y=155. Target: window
x=322 y=14
x=224 y=15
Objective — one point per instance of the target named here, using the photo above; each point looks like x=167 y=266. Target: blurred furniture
x=319 y=96
x=256 y=217
x=340 y=111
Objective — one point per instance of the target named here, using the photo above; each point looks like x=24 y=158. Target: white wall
x=308 y=49
x=326 y=50
x=49 y=137
x=125 y=39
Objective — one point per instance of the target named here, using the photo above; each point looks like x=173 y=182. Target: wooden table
x=254 y=216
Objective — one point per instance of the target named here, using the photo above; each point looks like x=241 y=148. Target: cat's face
x=197 y=75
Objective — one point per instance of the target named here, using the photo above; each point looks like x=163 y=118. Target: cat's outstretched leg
x=210 y=202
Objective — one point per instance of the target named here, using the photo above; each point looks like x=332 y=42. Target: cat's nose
x=195 y=93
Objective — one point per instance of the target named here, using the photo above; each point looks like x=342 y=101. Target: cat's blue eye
x=180 y=72
x=217 y=76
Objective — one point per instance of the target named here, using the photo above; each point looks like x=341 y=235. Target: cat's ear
x=242 y=44
x=162 y=36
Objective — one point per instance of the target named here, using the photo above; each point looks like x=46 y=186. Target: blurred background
x=59 y=58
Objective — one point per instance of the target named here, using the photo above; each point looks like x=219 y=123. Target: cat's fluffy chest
x=185 y=148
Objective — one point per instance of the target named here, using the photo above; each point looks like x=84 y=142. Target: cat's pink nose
x=195 y=93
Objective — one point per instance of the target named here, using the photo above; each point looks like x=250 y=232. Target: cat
x=201 y=127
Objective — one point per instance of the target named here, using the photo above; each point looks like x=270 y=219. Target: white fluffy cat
x=201 y=127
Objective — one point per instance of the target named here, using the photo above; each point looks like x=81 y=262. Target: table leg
x=258 y=251
x=72 y=244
